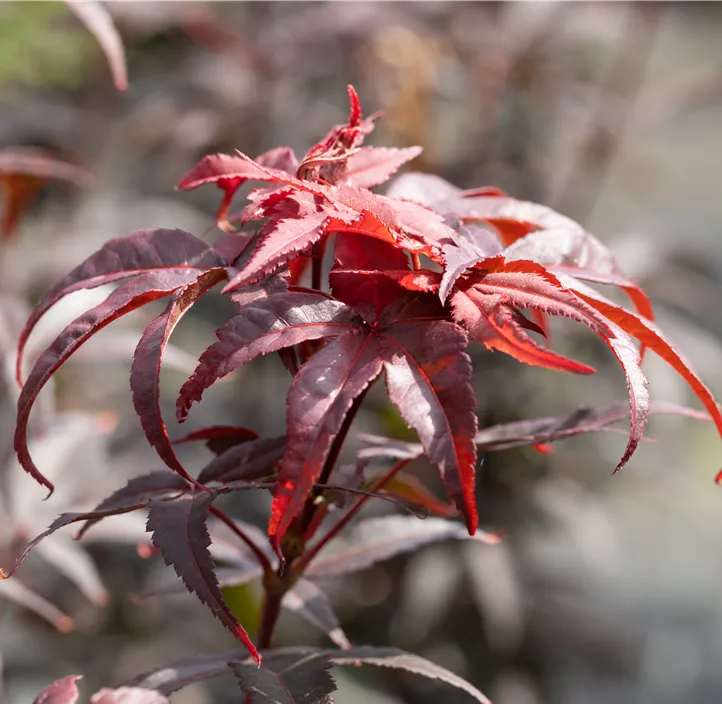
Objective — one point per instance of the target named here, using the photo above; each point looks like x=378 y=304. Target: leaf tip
x=65 y=624
x=354 y=117
x=717 y=479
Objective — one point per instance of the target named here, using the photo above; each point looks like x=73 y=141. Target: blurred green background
x=606 y=588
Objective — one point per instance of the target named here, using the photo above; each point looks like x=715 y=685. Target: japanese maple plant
x=416 y=276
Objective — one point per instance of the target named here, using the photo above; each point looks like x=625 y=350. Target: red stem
x=302 y=564
x=260 y=556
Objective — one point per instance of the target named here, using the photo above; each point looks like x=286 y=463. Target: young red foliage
x=492 y=258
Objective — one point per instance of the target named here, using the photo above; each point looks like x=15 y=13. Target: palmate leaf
x=178 y=528
x=180 y=673
x=66 y=519
x=138 y=490
x=521 y=433
x=525 y=284
x=219 y=438
x=653 y=338
x=229 y=173
x=248 y=461
x=126 y=298
x=319 y=398
x=288 y=680
x=264 y=325
x=377 y=539
x=171 y=251
x=63 y=691
x=371 y=166
x=145 y=371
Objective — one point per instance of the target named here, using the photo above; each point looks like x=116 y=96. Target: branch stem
x=269 y=618
x=303 y=562
x=257 y=552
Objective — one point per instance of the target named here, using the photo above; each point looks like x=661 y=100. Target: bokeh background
x=605 y=588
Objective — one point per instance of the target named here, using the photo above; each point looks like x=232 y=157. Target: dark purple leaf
x=145 y=371
x=181 y=673
x=264 y=325
x=142 y=252
x=246 y=462
x=126 y=298
x=139 y=490
x=63 y=691
x=179 y=530
x=287 y=680
x=377 y=539
x=219 y=438
x=66 y=519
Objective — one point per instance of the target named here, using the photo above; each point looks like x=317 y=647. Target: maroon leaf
x=219 y=438
x=525 y=284
x=229 y=173
x=181 y=673
x=63 y=691
x=427 y=378
x=318 y=400
x=145 y=371
x=179 y=531
x=128 y=695
x=472 y=244
x=651 y=336
x=172 y=251
x=279 y=241
x=246 y=462
x=265 y=325
x=579 y=254
x=99 y=22
x=377 y=539
x=372 y=166
x=504 y=436
x=138 y=491
x=287 y=680
x=66 y=519
x=126 y=298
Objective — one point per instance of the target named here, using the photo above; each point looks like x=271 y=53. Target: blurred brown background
x=606 y=588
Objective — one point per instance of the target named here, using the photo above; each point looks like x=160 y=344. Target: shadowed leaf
x=178 y=528
x=264 y=325
x=126 y=298
x=377 y=539
x=248 y=461
x=288 y=680
x=139 y=490
x=145 y=371
x=308 y=601
x=219 y=438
